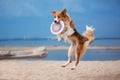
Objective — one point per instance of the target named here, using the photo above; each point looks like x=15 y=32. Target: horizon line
x=53 y=38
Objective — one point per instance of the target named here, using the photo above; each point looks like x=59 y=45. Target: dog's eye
x=58 y=16
x=54 y=16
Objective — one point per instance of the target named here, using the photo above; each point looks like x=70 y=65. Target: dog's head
x=61 y=16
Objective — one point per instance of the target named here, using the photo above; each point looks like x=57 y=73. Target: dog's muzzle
x=56 y=20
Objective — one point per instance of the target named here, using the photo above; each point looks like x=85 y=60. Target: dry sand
x=52 y=70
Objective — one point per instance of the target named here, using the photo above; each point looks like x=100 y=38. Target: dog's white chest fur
x=69 y=32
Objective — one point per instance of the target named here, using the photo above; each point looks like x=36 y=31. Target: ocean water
x=90 y=55
x=54 y=42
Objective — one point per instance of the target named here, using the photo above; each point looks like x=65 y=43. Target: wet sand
x=52 y=70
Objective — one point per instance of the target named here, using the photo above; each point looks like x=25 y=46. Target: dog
x=79 y=42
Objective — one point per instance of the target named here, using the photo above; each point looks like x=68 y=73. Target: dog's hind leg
x=79 y=52
x=71 y=52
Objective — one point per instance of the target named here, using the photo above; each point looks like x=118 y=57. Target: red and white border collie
x=78 y=42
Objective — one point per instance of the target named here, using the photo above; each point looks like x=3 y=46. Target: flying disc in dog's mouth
x=57 y=28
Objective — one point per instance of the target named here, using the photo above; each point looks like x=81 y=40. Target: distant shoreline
x=50 y=38
x=53 y=42
x=57 y=47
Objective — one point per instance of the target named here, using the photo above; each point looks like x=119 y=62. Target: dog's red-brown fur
x=78 y=42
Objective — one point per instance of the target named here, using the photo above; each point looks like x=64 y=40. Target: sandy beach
x=52 y=70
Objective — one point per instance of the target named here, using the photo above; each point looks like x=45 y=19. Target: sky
x=32 y=18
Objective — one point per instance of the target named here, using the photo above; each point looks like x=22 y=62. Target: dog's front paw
x=59 y=39
x=65 y=39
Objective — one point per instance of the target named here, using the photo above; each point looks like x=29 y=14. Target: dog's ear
x=53 y=12
x=64 y=11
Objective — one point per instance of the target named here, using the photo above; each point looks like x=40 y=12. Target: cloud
x=18 y=8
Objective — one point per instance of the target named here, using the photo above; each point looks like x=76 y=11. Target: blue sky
x=32 y=18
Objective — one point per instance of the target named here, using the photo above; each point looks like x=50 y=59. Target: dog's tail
x=89 y=33
x=89 y=38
